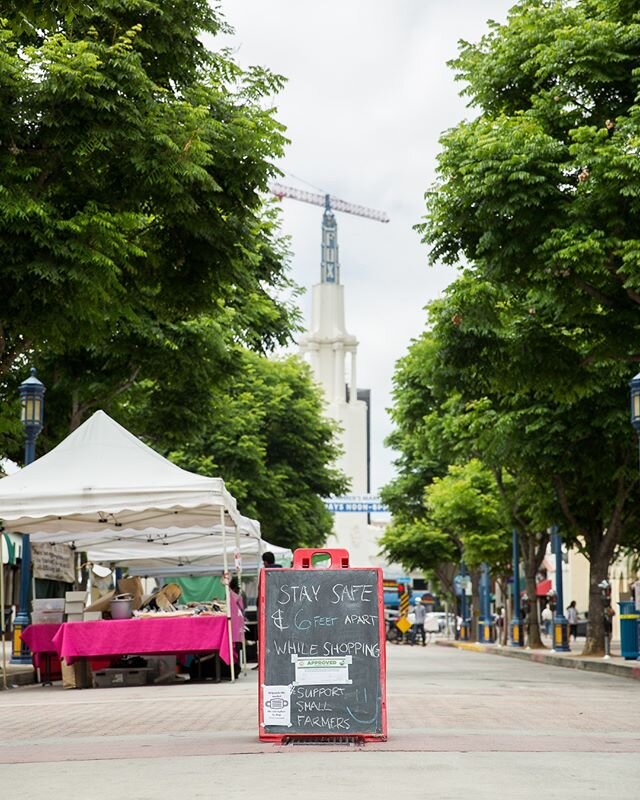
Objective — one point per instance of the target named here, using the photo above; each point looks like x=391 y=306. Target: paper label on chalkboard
x=321 y=670
x=276 y=702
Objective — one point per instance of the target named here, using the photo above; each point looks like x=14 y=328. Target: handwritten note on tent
x=322 y=652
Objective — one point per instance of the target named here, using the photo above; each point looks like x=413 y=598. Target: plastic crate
x=106 y=678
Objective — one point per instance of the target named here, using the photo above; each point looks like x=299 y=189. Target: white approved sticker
x=321 y=670
x=276 y=705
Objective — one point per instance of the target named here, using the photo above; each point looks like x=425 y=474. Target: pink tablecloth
x=144 y=635
x=39 y=638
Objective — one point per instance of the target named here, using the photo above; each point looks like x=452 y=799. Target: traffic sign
x=355 y=503
x=403 y=624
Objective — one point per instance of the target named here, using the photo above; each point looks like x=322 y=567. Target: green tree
x=539 y=195
x=266 y=435
x=438 y=431
x=134 y=246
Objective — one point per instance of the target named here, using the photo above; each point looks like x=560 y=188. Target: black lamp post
x=465 y=628
x=560 y=642
x=32 y=402
x=517 y=631
x=634 y=385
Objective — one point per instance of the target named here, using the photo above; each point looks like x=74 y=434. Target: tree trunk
x=530 y=554
x=594 y=644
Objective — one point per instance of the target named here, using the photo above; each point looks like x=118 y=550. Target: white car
x=441 y=618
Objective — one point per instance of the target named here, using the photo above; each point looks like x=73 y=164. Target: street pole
x=485 y=634
x=464 y=625
x=560 y=638
x=634 y=385
x=32 y=405
x=517 y=630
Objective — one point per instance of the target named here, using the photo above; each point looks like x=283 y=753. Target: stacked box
x=74 y=603
x=49 y=610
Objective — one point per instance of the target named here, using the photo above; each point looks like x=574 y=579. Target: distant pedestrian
x=269 y=560
x=609 y=614
x=572 y=619
x=419 y=616
x=547 y=617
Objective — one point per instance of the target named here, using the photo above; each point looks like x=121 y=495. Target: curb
x=541 y=657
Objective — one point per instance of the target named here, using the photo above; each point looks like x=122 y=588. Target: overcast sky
x=368 y=95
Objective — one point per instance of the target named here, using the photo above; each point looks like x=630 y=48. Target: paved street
x=461 y=725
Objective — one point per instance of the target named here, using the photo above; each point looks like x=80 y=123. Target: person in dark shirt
x=269 y=560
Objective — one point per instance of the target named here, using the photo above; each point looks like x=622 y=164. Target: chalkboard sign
x=322 y=656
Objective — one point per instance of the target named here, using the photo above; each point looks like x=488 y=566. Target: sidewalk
x=615 y=665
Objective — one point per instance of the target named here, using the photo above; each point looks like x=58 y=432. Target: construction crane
x=329 y=262
x=330 y=203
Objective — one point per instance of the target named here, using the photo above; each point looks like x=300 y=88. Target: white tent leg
x=238 y=563
x=2 y=628
x=227 y=595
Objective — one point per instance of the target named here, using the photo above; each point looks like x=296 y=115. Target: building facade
x=332 y=352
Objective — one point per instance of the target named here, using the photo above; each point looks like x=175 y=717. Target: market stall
x=102 y=486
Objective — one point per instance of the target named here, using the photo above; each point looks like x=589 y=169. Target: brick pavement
x=439 y=700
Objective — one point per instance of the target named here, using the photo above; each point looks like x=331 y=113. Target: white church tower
x=332 y=355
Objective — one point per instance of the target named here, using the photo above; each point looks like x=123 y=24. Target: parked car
x=441 y=617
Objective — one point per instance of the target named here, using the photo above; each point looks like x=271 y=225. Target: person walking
x=419 y=616
x=572 y=619
x=547 y=617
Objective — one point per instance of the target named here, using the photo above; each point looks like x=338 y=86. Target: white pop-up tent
x=101 y=478
x=102 y=484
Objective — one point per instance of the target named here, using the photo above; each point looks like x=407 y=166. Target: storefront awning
x=544 y=587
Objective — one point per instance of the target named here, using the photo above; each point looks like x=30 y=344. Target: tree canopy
x=536 y=204
x=265 y=433
x=142 y=271
x=133 y=237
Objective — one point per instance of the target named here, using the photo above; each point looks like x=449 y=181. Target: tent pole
x=225 y=562
x=2 y=618
x=238 y=564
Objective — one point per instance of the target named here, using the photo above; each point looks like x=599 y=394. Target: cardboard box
x=75 y=597
x=105 y=678
x=77 y=675
x=103 y=603
x=91 y=616
x=74 y=608
x=132 y=586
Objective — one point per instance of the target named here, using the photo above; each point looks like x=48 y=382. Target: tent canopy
x=102 y=483
x=174 y=546
x=210 y=563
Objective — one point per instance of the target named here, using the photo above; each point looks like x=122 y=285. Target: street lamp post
x=32 y=411
x=485 y=632
x=517 y=632
x=464 y=625
x=634 y=385
x=560 y=639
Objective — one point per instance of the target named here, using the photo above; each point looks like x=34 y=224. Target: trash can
x=628 y=629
